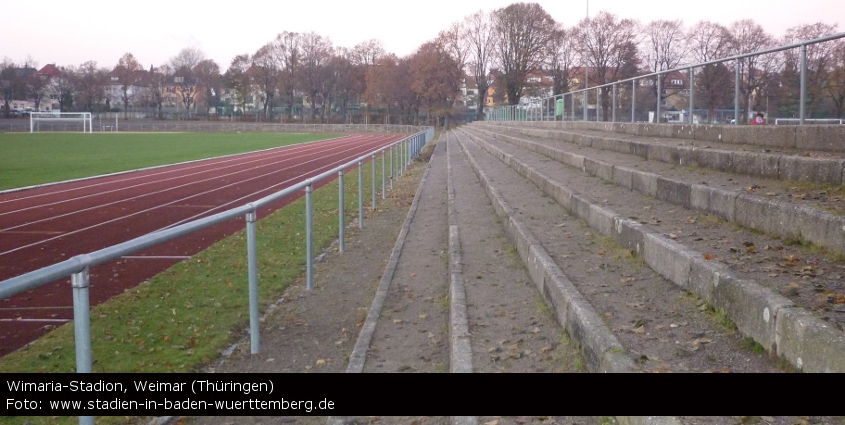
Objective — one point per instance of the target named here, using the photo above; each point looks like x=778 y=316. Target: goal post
x=61 y=121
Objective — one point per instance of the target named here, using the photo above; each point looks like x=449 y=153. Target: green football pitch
x=32 y=159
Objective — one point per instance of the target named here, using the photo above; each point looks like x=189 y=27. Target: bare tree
x=455 y=45
x=128 y=72
x=10 y=86
x=289 y=55
x=316 y=53
x=755 y=71
x=523 y=31
x=611 y=50
x=62 y=87
x=157 y=81
x=562 y=55
x=348 y=86
x=208 y=82
x=238 y=81
x=836 y=88
x=664 y=48
x=267 y=74
x=709 y=41
x=365 y=55
x=480 y=36
x=819 y=66
x=184 y=77
x=90 y=85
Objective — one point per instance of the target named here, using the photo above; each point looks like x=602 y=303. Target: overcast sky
x=70 y=33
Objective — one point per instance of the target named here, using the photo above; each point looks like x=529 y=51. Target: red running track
x=47 y=225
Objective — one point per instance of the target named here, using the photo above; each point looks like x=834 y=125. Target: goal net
x=60 y=121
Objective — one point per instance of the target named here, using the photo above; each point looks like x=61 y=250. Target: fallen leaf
x=321 y=361
x=708 y=257
x=640 y=330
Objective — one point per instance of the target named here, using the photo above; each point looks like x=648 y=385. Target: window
x=677 y=82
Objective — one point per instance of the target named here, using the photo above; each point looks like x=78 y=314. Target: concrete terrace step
x=625 y=317
x=753 y=202
x=763 y=157
x=774 y=321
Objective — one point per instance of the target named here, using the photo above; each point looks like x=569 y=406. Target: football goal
x=60 y=121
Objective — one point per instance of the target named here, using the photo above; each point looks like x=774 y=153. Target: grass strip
x=38 y=158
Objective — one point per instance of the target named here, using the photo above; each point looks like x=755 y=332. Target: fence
x=401 y=154
x=101 y=125
x=553 y=108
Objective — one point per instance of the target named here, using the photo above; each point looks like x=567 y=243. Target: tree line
x=304 y=76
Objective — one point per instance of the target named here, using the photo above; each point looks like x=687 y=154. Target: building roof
x=50 y=70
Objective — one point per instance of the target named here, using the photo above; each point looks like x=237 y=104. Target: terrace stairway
x=591 y=247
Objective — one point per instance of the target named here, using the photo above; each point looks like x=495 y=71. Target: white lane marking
x=35 y=320
x=35 y=308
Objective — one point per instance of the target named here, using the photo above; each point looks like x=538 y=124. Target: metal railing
x=402 y=153
x=547 y=108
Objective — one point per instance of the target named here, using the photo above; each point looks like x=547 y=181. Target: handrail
x=77 y=267
x=510 y=112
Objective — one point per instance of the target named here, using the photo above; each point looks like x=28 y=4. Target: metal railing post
x=586 y=97
x=373 y=160
x=691 y=93
x=82 y=320
x=803 y=95
x=633 y=100
x=659 y=98
x=252 y=270
x=392 y=162
x=383 y=168
x=340 y=213
x=736 y=95
x=361 y=194
x=309 y=236
x=613 y=114
x=599 y=106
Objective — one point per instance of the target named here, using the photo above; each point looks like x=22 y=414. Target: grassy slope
x=30 y=159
